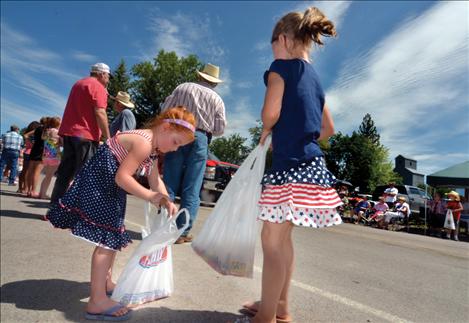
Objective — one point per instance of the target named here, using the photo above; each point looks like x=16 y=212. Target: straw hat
x=455 y=194
x=124 y=99
x=401 y=198
x=211 y=73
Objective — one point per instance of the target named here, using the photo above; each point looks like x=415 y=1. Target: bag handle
x=167 y=220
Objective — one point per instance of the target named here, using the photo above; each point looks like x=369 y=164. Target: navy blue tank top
x=294 y=136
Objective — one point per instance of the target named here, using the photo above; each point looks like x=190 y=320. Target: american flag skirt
x=302 y=195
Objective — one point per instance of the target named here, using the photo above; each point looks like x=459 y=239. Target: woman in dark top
x=35 y=160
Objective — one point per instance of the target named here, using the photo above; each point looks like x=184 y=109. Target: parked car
x=217 y=175
x=414 y=196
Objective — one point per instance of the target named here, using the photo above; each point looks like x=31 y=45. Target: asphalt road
x=348 y=273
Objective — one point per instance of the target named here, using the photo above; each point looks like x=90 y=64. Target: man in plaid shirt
x=12 y=143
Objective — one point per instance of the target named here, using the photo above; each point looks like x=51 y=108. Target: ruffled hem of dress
x=312 y=172
x=81 y=226
x=301 y=216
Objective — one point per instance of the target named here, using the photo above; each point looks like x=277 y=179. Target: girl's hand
x=158 y=199
x=265 y=133
x=170 y=206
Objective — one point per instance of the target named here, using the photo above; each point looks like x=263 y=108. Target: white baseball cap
x=100 y=67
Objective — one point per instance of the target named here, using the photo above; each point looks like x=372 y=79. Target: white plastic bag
x=227 y=240
x=148 y=275
x=449 y=221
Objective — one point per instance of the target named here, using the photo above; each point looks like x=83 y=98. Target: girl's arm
x=155 y=181
x=139 y=150
x=327 y=124
x=157 y=185
x=26 y=135
x=272 y=104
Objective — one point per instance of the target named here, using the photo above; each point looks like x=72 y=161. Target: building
x=407 y=168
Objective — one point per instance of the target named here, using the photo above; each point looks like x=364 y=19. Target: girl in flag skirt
x=298 y=189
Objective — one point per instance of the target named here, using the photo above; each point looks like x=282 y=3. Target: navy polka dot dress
x=94 y=206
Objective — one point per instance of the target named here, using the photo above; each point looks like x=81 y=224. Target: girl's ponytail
x=314 y=24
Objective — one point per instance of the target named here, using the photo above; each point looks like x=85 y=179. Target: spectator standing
x=12 y=143
x=184 y=169
x=125 y=120
x=35 y=159
x=454 y=204
x=83 y=123
x=51 y=154
x=437 y=214
x=391 y=195
x=28 y=144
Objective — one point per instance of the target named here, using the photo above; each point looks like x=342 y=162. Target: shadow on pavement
x=49 y=294
x=20 y=215
x=164 y=314
x=44 y=204
x=9 y=193
x=67 y=297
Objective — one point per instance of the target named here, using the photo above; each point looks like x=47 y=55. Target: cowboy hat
x=455 y=194
x=211 y=73
x=124 y=99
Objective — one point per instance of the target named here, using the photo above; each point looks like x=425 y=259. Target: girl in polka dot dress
x=94 y=206
x=298 y=188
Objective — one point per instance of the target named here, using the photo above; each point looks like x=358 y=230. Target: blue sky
x=405 y=63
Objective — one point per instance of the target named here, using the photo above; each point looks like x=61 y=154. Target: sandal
x=108 y=316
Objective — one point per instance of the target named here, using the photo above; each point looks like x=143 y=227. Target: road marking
x=345 y=301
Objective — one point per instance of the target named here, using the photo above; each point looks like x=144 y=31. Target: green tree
x=230 y=149
x=368 y=129
x=357 y=160
x=154 y=81
x=120 y=81
x=255 y=133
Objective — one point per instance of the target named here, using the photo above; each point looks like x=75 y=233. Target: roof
x=413 y=171
x=456 y=176
x=406 y=158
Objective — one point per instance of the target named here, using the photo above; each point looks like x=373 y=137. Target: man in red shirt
x=84 y=122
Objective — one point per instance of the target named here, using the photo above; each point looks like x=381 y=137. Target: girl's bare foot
x=97 y=307
x=282 y=313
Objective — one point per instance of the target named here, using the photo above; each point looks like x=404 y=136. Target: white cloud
x=240 y=118
x=185 y=34
x=18 y=114
x=84 y=57
x=334 y=10
x=20 y=52
x=224 y=88
x=28 y=66
x=414 y=83
x=54 y=102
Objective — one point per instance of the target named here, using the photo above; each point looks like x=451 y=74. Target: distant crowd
x=394 y=209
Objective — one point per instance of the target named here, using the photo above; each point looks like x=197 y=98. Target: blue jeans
x=10 y=158
x=183 y=174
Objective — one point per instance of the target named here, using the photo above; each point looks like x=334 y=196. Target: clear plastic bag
x=227 y=240
x=148 y=275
